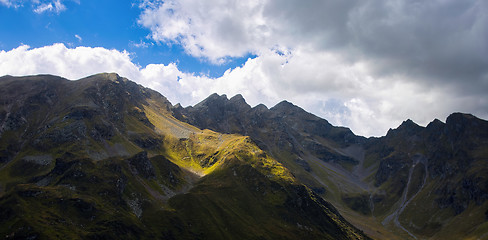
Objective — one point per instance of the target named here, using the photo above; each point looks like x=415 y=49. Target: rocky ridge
x=103 y=157
x=390 y=180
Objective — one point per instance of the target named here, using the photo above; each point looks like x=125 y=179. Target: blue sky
x=367 y=65
x=109 y=24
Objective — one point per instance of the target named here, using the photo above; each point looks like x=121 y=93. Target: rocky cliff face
x=103 y=157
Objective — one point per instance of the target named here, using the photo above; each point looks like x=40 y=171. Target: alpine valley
x=105 y=158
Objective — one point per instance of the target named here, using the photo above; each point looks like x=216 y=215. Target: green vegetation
x=107 y=160
x=358 y=202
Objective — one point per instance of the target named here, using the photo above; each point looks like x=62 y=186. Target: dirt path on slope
x=416 y=159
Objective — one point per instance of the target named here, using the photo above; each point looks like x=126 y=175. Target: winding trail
x=416 y=159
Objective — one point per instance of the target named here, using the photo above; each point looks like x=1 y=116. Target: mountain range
x=103 y=157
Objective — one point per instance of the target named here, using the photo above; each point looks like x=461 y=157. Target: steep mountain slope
x=415 y=182
x=442 y=165
x=299 y=139
x=103 y=157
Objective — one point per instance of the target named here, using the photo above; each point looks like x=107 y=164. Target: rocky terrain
x=415 y=182
x=105 y=158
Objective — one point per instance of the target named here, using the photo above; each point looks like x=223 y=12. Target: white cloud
x=213 y=29
x=43 y=8
x=70 y=63
x=6 y=3
x=11 y=3
x=140 y=44
x=350 y=97
x=79 y=62
x=54 y=6
x=78 y=37
x=444 y=39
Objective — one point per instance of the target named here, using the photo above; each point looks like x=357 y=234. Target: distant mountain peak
x=214 y=98
x=215 y=101
x=460 y=117
x=178 y=106
x=260 y=108
x=239 y=102
x=461 y=120
x=111 y=76
x=284 y=103
x=237 y=97
x=435 y=124
x=458 y=124
x=408 y=124
x=284 y=107
x=408 y=128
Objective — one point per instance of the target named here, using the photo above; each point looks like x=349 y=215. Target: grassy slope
x=195 y=184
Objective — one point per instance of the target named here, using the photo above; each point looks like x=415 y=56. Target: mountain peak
x=213 y=99
x=221 y=101
x=111 y=76
x=178 y=106
x=215 y=96
x=435 y=124
x=460 y=120
x=237 y=97
x=407 y=127
x=408 y=124
x=260 y=108
x=458 y=117
x=239 y=101
x=283 y=106
x=284 y=103
x=467 y=124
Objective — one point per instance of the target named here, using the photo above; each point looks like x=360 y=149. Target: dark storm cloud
x=432 y=41
x=428 y=40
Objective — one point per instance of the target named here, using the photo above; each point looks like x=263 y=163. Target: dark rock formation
x=141 y=165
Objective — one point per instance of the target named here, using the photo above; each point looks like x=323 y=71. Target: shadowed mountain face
x=415 y=182
x=103 y=157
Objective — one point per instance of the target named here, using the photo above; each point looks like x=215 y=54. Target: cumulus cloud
x=79 y=62
x=443 y=39
x=213 y=29
x=60 y=60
